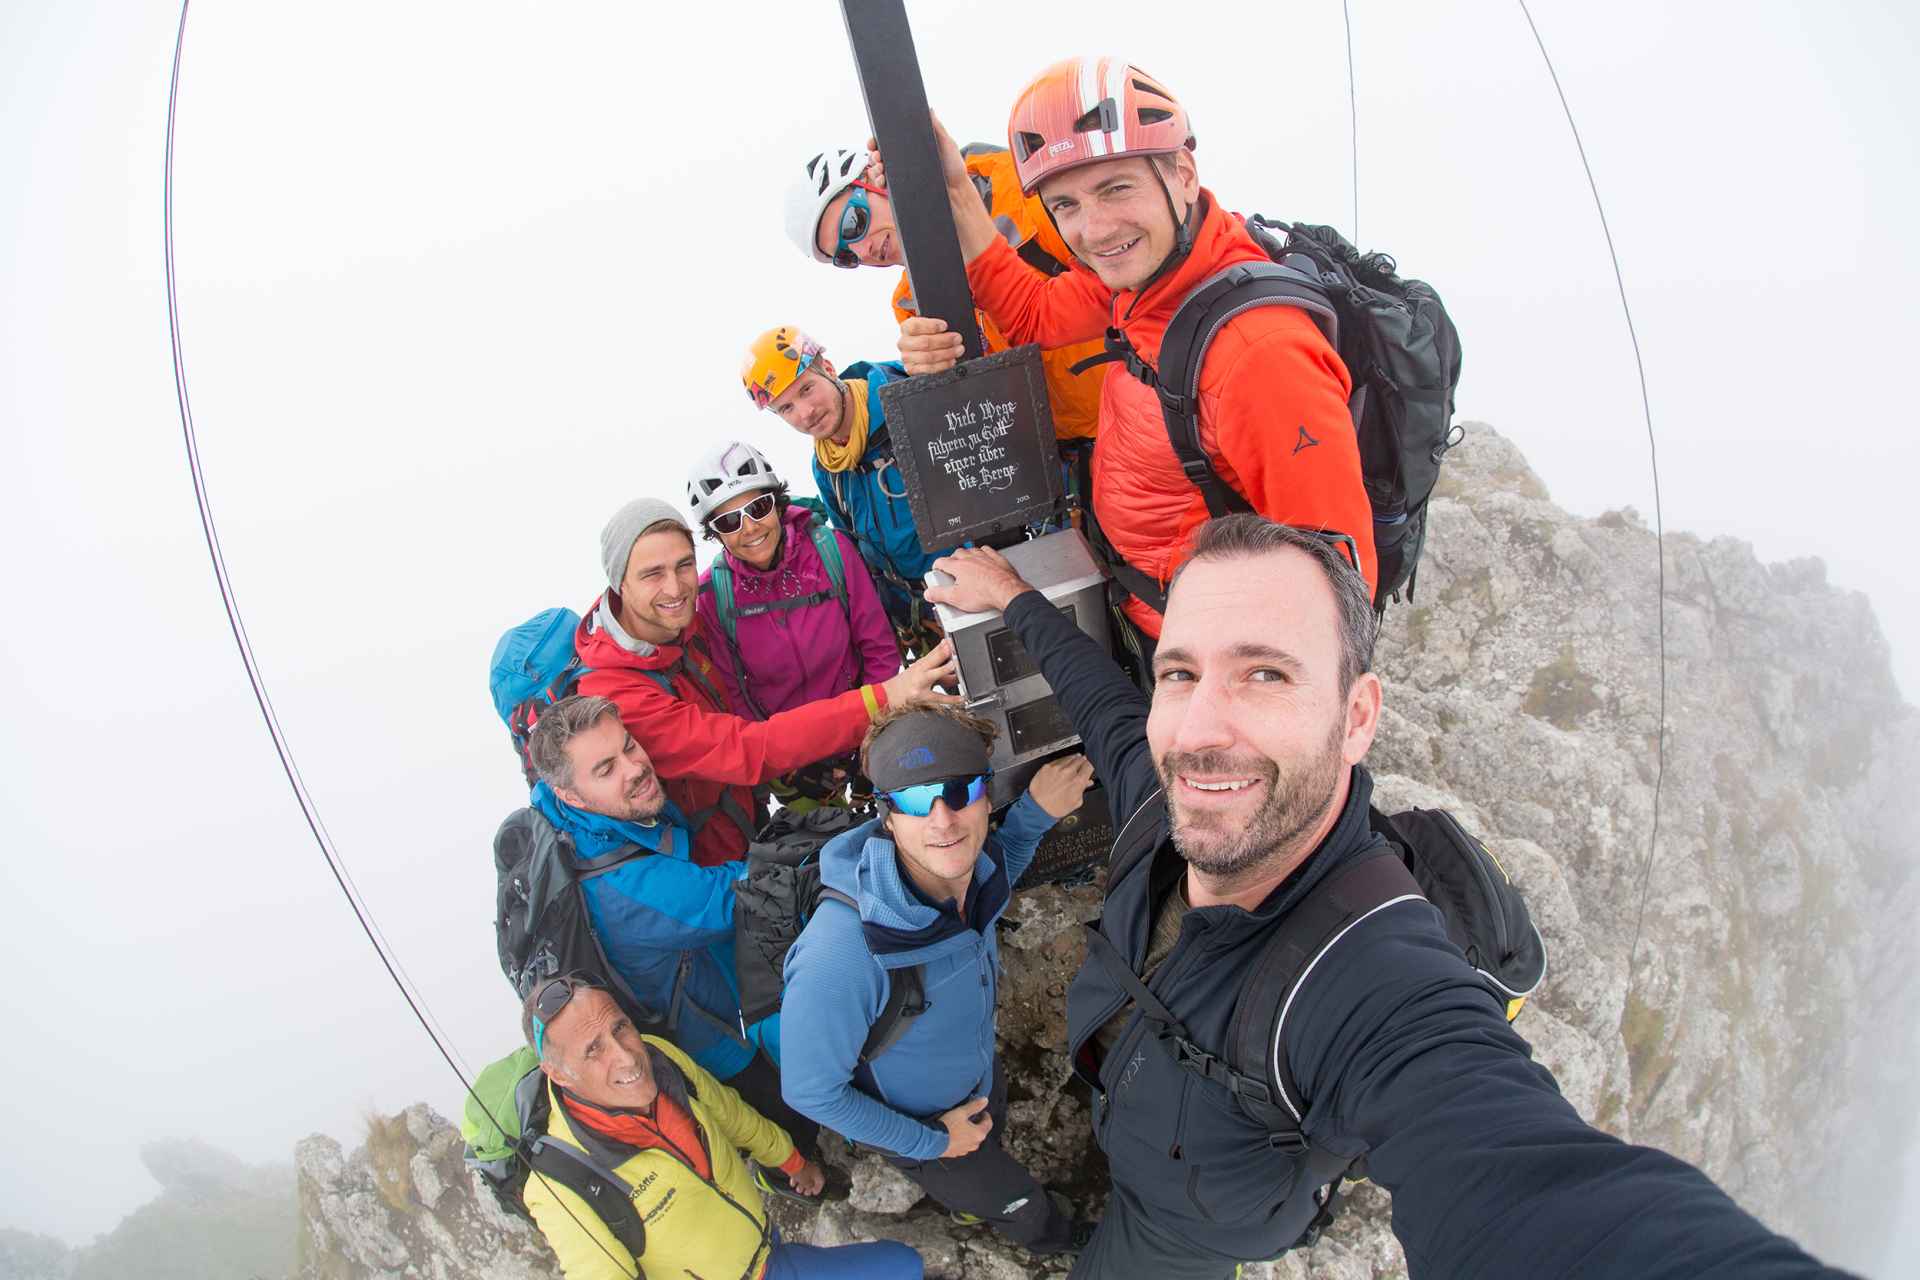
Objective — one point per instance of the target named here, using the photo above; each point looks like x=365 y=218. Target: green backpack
x=505 y=1127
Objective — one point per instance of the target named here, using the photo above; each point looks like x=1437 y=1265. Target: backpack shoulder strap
x=1191 y=332
x=1138 y=838
x=607 y=1194
x=906 y=1000
x=588 y=868
x=906 y=995
x=828 y=548
x=1256 y=1036
x=720 y=582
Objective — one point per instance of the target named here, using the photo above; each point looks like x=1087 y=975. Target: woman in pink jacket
x=788 y=606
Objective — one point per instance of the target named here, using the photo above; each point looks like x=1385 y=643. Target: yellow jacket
x=1020 y=220
x=713 y=1228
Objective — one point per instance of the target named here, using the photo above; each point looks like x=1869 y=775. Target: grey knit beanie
x=625 y=528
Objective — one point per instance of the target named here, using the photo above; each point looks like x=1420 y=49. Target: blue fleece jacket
x=837 y=982
x=666 y=924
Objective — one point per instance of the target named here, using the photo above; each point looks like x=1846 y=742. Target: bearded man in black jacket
x=1237 y=791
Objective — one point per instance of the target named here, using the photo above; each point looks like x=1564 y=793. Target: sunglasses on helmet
x=855 y=221
x=756 y=511
x=917 y=802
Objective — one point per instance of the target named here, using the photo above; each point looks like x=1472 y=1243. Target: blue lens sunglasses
x=855 y=221
x=917 y=802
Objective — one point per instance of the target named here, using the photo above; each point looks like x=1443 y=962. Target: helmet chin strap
x=1183 y=230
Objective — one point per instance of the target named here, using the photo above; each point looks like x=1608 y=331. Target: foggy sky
x=456 y=280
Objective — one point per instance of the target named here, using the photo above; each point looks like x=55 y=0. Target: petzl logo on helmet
x=917 y=758
x=1065 y=144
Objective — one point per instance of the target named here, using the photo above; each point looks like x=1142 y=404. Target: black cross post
x=896 y=99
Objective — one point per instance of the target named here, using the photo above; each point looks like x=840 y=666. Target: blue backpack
x=534 y=666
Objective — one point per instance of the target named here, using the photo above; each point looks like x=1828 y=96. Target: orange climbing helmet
x=1087 y=109
x=776 y=358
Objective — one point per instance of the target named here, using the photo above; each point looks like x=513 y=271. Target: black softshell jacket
x=1401 y=1052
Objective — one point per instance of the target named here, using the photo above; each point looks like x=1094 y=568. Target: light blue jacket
x=837 y=983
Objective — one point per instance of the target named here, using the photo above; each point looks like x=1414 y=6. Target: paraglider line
x=1659 y=523
x=281 y=747
x=1353 y=122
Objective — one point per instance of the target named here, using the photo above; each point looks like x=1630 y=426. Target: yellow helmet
x=776 y=358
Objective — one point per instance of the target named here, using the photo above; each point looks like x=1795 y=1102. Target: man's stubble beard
x=1296 y=801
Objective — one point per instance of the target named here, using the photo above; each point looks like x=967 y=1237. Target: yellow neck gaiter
x=845 y=457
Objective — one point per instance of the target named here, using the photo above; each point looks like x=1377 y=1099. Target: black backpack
x=1428 y=854
x=1397 y=342
x=772 y=905
x=540 y=920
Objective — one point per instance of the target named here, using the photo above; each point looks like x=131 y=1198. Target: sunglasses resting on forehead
x=552 y=998
x=917 y=802
x=757 y=510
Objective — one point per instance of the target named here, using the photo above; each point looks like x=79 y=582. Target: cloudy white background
x=458 y=279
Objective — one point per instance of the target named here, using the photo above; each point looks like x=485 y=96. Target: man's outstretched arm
x=1405 y=1055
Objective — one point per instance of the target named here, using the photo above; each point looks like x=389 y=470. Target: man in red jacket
x=1110 y=153
x=643 y=647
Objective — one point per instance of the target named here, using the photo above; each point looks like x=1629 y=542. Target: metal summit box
x=1000 y=680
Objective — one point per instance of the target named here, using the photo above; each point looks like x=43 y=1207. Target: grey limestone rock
x=1775 y=958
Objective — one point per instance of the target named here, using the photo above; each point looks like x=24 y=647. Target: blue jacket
x=870 y=503
x=837 y=983
x=666 y=924
x=1402 y=1053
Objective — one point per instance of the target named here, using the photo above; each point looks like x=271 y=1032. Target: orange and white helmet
x=1084 y=110
x=775 y=360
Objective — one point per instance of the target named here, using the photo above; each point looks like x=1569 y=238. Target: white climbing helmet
x=732 y=468
x=828 y=174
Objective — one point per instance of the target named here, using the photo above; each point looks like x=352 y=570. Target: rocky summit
x=1755 y=1028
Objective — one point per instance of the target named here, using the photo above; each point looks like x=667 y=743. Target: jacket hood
x=900 y=929
x=594 y=834
x=602 y=642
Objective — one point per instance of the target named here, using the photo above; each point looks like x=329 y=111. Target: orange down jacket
x=1019 y=219
x=1273 y=403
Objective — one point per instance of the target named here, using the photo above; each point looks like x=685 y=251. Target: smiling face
x=1114 y=215
x=939 y=850
x=660 y=586
x=1250 y=730
x=594 y=1050
x=880 y=247
x=813 y=405
x=755 y=542
x=612 y=774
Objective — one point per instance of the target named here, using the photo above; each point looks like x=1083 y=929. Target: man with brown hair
x=931 y=880
x=1243 y=795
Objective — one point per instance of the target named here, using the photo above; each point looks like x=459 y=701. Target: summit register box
x=999 y=679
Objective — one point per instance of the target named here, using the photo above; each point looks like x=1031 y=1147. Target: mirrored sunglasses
x=855 y=221
x=917 y=802
x=757 y=510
